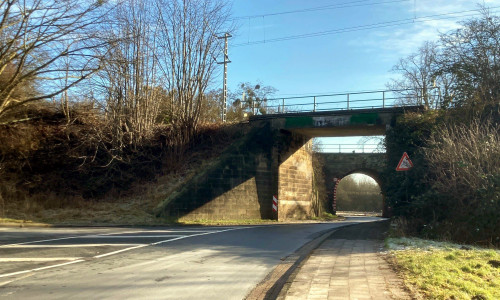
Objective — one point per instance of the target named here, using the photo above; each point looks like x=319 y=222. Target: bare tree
x=128 y=82
x=188 y=38
x=464 y=64
x=472 y=55
x=211 y=107
x=419 y=80
x=37 y=37
x=250 y=99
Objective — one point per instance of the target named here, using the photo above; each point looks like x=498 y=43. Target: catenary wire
x=320 y=8
x=367 y=27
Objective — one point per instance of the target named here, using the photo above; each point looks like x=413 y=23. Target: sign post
x=405 y=164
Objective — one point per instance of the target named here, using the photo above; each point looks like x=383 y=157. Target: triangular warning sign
x=404 y=163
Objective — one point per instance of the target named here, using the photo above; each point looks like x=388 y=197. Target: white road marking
x=205 y=232
x=166 y=241
x=38 y=259
x=73 y=245
x=156 y=231
x=120 y=251
x=42 y=268
x=40 y=241
x=103 y=234
x=199 y=234
x=15 y=279
x=135 y=236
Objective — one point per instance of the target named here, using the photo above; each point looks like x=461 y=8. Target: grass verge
x=328 y=217
x=226 y=222
x=438 y=270
x=205 y=222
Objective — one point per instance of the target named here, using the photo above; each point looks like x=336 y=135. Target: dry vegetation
x=97 y=97
x=453 y=190
x=56 y=172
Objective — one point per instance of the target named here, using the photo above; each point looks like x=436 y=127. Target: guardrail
x=351 y=148
x=342 y=101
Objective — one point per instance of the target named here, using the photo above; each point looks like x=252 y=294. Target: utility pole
x=224 y=88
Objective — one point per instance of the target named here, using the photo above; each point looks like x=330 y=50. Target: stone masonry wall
x=242 y=182
x=239 y=185
x=295 y=187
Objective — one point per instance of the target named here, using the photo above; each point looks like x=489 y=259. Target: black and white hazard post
x=334 y=202
x=275 y=204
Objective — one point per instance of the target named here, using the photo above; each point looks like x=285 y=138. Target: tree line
x=453 y=191
x=460 y=69
x=139 y=62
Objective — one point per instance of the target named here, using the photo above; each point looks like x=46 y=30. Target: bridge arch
x=340 y=165
x=371 y=173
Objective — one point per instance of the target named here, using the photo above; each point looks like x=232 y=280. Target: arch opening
x=359 y=193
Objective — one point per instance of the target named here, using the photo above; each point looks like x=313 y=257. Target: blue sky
x=352 y=61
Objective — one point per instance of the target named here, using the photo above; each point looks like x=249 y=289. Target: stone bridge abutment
x=275 y=159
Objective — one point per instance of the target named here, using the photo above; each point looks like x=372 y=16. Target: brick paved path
x=348 y=265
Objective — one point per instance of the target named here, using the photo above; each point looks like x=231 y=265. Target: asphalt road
x=147 y=263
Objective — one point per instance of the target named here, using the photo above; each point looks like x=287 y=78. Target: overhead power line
x=367 y=27
x=326 y=7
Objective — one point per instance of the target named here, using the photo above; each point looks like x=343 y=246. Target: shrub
x=465 y=160
x=453 y=191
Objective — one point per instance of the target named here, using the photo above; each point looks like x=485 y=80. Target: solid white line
x=42 y=268
x=42 y=259
x=199 y=234
x=40 y=241
x=15 y=273
x=143 y=231
x=166 y=241
x=15 y=279
x=120 y=251
x=96 y=235
x=73 y=245
x=136 y=236
x=59 y=265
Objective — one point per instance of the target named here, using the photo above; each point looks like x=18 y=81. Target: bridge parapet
x=356 y=122
x=341 y=101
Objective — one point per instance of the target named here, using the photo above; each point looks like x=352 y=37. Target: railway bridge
x=275 y=160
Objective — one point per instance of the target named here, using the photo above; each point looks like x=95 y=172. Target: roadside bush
x=47 y=155
x=465 y=176
x=453 y=190
x=409 y=133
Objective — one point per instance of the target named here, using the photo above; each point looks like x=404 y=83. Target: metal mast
x=224 y=88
